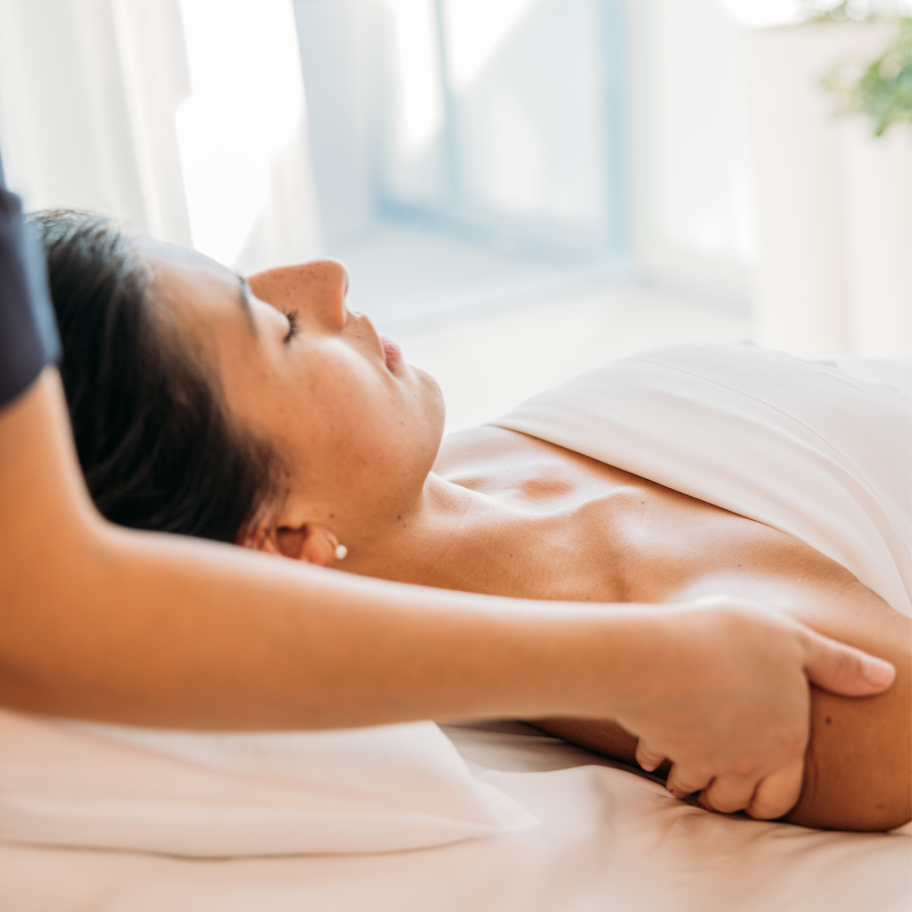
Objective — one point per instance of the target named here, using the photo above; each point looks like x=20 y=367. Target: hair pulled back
x=156 y=443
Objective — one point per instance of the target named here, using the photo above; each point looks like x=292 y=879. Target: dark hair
x=154 y=437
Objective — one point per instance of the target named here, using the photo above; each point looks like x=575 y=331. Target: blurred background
x=520 y=189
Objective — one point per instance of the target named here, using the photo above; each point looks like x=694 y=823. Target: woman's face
x=355 y=426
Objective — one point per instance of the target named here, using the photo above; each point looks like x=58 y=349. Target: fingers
x=845 y=670
x=778 y=793
x=648 y=758
x=773 y=797
x=728 y=794
x=683 y=782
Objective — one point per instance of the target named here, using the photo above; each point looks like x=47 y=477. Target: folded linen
x=213 y=795
x=806 y=447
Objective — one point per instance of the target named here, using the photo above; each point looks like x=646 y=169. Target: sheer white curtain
x=185 y=118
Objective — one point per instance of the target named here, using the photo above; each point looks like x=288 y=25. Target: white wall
x=690 y=157
x=498 y=129
x=834 y=203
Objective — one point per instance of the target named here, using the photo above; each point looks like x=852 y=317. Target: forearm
x=176 y=632
x=111 y=624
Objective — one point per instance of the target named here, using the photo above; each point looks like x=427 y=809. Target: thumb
x=845 y=670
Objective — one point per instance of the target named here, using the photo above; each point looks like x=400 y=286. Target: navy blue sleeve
x=28 y=332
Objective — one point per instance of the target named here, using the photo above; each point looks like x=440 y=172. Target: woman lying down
x=264 y=412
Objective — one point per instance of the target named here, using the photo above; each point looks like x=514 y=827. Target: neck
x=456 y=538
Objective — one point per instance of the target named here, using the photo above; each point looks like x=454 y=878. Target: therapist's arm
x=105 y=623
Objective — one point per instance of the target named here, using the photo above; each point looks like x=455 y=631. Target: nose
x=316 y=288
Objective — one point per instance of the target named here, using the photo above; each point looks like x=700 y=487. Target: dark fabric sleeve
x=28 y=332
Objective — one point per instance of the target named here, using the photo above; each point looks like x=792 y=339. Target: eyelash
x=294 y=324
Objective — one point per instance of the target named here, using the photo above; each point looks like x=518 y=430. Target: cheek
x=386 y=448
x=344 y=428
x=335 y=420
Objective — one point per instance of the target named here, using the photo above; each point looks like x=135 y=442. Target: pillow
x=215 y=794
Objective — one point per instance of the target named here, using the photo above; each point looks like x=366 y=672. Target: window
x=494 y=123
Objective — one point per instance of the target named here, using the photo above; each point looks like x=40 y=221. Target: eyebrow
x=244 y=294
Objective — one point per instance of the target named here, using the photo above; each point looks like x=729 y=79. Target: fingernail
x=678 y=794
x=648 y=765
x=877 y=672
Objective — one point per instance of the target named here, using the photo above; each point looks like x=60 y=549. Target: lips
x=391 y=353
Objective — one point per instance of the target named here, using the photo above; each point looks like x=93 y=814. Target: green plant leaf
x=883 y=90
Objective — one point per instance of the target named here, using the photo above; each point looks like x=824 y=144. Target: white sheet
x=609 y=840
x=218 y=794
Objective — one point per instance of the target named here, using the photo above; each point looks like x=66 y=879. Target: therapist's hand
x=728 y=702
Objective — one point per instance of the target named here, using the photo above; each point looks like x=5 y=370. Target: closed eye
x=294 y=324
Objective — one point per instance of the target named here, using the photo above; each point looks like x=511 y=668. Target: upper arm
x=859 y=759
x=858 y=771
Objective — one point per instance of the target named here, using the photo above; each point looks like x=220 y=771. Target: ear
x=310 y=543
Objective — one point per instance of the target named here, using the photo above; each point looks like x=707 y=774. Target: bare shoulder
x=857 y=767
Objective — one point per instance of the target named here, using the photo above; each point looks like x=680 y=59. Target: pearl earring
x=340 y=551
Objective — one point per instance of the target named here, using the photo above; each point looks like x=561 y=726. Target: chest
x=616 y=536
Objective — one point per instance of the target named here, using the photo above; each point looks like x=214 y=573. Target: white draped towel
x=806 y=447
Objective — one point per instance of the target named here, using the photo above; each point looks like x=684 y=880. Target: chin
x=430 y=393
x=432 y=404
